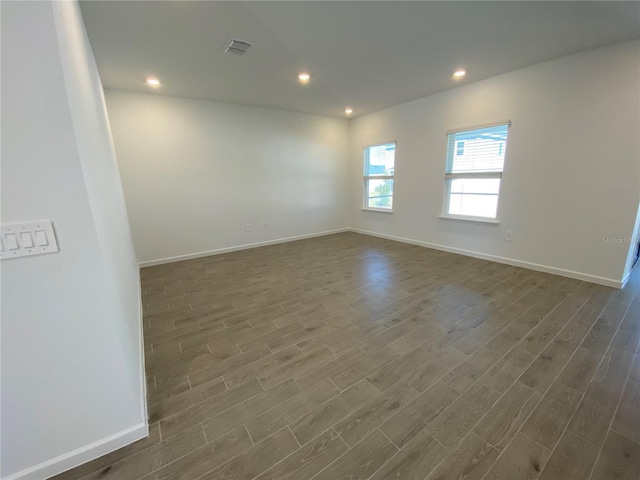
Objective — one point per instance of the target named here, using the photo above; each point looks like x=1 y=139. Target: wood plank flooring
x=349 y=356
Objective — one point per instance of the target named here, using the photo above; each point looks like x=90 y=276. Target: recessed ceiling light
x=459 y=74
x=153 y=82
x=304 y=77
x=348 y=110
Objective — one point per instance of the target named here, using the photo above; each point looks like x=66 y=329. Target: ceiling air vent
x=237 y=47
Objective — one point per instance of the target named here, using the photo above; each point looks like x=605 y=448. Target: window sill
x=382 y=210
x=493 y=221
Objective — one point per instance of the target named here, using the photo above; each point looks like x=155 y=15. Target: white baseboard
x=609 y=282
x=82 y=455
x=189 y=256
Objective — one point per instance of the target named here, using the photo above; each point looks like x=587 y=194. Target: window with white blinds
x=474 y=164
x=379 y=170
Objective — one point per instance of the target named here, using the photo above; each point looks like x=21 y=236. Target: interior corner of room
x=134 y=173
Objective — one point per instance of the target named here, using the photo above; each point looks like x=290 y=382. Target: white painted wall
x=72 y=387
x=195 y=172
x=572 y=173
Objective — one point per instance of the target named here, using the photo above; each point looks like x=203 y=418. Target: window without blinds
x=475 y=160
x=379 y=170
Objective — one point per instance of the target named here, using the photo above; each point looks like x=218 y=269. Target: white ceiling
x=369 y=55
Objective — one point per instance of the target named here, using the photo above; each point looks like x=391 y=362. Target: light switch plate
x=27 y=238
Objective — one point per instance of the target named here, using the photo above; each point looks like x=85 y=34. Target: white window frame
x=367 y=178
x=449 y=177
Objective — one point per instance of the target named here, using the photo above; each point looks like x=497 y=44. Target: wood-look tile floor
x=349 y=356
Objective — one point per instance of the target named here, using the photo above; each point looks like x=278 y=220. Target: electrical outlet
x=508 y=236
x=247 y=227
x=266 y=225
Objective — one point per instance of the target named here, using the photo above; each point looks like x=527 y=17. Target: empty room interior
x=320 y=240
